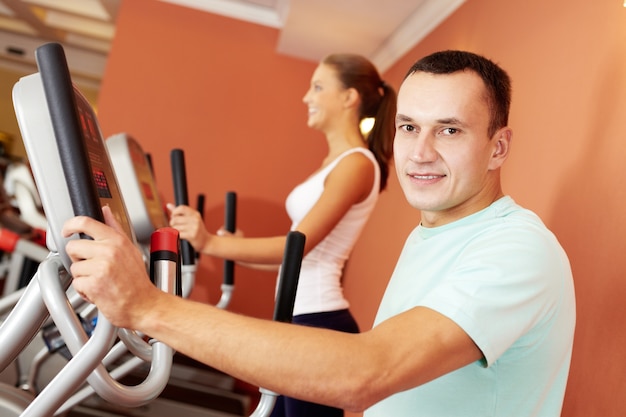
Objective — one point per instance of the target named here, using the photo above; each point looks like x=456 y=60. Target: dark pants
x=340 y=320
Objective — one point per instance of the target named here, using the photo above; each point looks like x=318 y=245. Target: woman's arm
x=348 y=183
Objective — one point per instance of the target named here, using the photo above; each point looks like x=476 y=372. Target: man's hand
x=109 y=270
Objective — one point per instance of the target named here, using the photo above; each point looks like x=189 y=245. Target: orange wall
x=568 y=64
x=216 y=88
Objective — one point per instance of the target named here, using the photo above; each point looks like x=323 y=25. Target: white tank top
x=319 y=285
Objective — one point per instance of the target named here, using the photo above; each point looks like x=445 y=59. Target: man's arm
x=350 y=371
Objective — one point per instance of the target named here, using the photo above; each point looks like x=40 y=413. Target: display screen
x=103 y=175
x=101 y=184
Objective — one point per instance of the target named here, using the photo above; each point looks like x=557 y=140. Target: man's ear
x=501 y=147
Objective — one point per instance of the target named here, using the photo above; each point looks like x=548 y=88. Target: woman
x=331 y=207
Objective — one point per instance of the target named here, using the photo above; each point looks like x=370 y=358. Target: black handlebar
x=200 y=202
x=179 y=176
x=289 y=275
x=68 y=131
x=230 y=224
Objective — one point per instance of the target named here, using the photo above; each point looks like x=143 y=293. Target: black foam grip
x=200 y=202
x=289 y=276
x=59 y=92
x=230 y=224
x=179 y=176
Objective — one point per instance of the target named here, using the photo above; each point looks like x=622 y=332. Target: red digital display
x=101 y=184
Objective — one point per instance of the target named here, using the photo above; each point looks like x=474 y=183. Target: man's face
x=446 y=163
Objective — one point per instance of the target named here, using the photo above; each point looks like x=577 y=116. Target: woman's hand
x=190 y=226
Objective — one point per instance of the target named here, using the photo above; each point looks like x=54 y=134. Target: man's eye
x=449 y=131
x=407 y=128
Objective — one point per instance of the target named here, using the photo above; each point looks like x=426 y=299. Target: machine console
x=141 y=196
x=66 y=150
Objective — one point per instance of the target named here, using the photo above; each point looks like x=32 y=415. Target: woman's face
x=325 y=98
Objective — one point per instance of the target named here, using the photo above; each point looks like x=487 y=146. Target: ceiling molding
x=271 y=16
x=312 y=45
x=423 y=21
x=87 y=66
x=383 y=31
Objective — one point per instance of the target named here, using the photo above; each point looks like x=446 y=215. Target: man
x=478 y=317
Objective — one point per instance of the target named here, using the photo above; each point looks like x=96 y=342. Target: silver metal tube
x=26 y=318
x=135 y=344
x=31 y=250
x=266 y=403
x=188 y=278
x=87 y=353
x=31 y=382
x=9 y=301
x=227 y=295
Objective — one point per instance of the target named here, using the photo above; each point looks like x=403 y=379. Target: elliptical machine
x=74 y=176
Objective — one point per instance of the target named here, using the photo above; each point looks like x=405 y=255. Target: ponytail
x=378 y=100
x=380 y=138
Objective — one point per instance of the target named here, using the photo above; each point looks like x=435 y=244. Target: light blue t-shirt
x=503 y=277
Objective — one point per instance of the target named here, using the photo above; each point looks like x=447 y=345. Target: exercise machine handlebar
x=230 y=225
x=88 y=351
x=285 y=299
x=289 y=276
x=72 y=169
x=55 y=76
x=165 y=274
x=181 y=197
x=200 y=203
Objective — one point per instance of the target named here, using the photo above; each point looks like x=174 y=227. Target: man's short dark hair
x=496 y=80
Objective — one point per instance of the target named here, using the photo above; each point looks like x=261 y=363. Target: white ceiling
x=382 y=30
